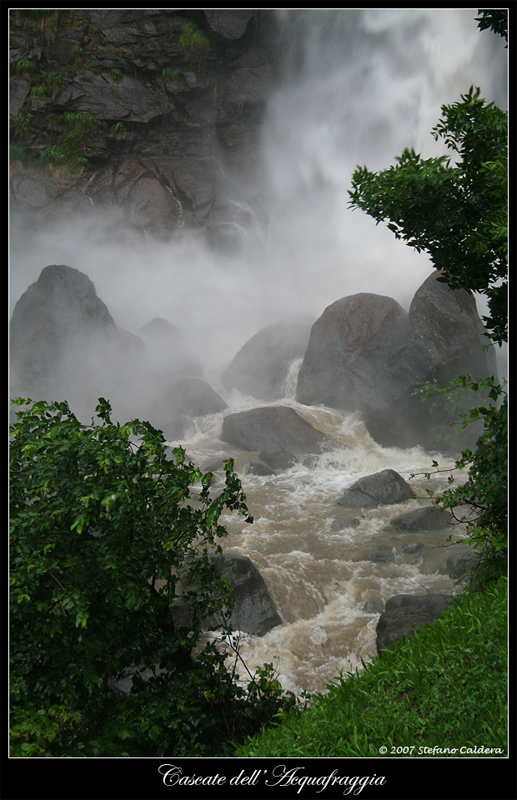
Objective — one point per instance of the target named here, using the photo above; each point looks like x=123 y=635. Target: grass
x=445 y=688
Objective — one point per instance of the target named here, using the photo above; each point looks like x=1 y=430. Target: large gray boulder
x=382 y=488
x=260 y=367
x=328 y=374
x=255 y=611
x=64 y=343
x=367 y=354
x=272 y=428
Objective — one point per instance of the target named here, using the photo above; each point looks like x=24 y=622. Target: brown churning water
x=327 y=589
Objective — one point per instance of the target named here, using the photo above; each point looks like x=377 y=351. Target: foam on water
x=327 y=589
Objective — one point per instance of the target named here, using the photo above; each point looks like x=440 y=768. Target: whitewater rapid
x=327 y=590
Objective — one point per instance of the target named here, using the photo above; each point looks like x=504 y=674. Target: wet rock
x=279 y=460
x=167 y=351
x=381 y=553
x=459 y=564
x=427 y=518
x=412 y=548
x=434 y=603
x=400 y=623
x=65 y=343
x=373 y=605
x=328 y=374
x=194 y=397
x=404 y=614
x=382 y=488
x=260 y=368
x=366 y=353
x=340 y=523
x=257 y=468
x=255 y=612
x=272 y=428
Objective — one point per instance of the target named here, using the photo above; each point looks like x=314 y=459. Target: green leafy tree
x=103 y=522
x=494 y=19
x=455 y=210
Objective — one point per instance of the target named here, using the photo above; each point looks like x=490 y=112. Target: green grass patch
x=445 y=688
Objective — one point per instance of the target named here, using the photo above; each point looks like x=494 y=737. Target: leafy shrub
x=101 y=523
x=195 y=43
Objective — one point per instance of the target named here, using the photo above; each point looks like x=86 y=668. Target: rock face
x=405 y=613
x=272 y=428
x=260 y=368
x=366 y=353
x=382 y=488
x=159 y=125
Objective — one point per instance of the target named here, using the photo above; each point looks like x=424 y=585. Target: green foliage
x=445 y=687
x=494 y=19
x=102 y=522
x=73 y=138
x=170 y=74
x=23 y=67
x=456 y=211
x=194 y=43
x=20 y=125
x=77 y=52
x=116 y=75
x=482 y=502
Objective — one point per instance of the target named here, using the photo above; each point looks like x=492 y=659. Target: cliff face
x=150 y=112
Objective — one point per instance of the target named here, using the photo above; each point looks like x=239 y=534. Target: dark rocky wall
x=149 y=125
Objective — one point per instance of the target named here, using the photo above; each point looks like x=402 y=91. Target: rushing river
x=314 y=558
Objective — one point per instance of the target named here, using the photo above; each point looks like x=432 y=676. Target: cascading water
x=358 y=86
x=315 y=560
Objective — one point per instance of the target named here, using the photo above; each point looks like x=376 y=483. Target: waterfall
x=355 y=88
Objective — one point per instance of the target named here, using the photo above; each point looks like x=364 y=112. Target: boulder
x=381 y=553
x=64 y=343
x=168 y=354
x=193 y=397
x=279 y=460
x=272 y=428
x=434 y=603
x=404 y=614
x=400 y=623
x=458 y=565
x=328 y=374
x=257 y=468
x=367 y=354
x=260 y=368
x=254 y=611
x=382 y=488
x=426 y=518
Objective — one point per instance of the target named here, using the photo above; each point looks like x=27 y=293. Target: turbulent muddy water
x=319 y=574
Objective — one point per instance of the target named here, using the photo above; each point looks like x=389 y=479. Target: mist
x=358 y=87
